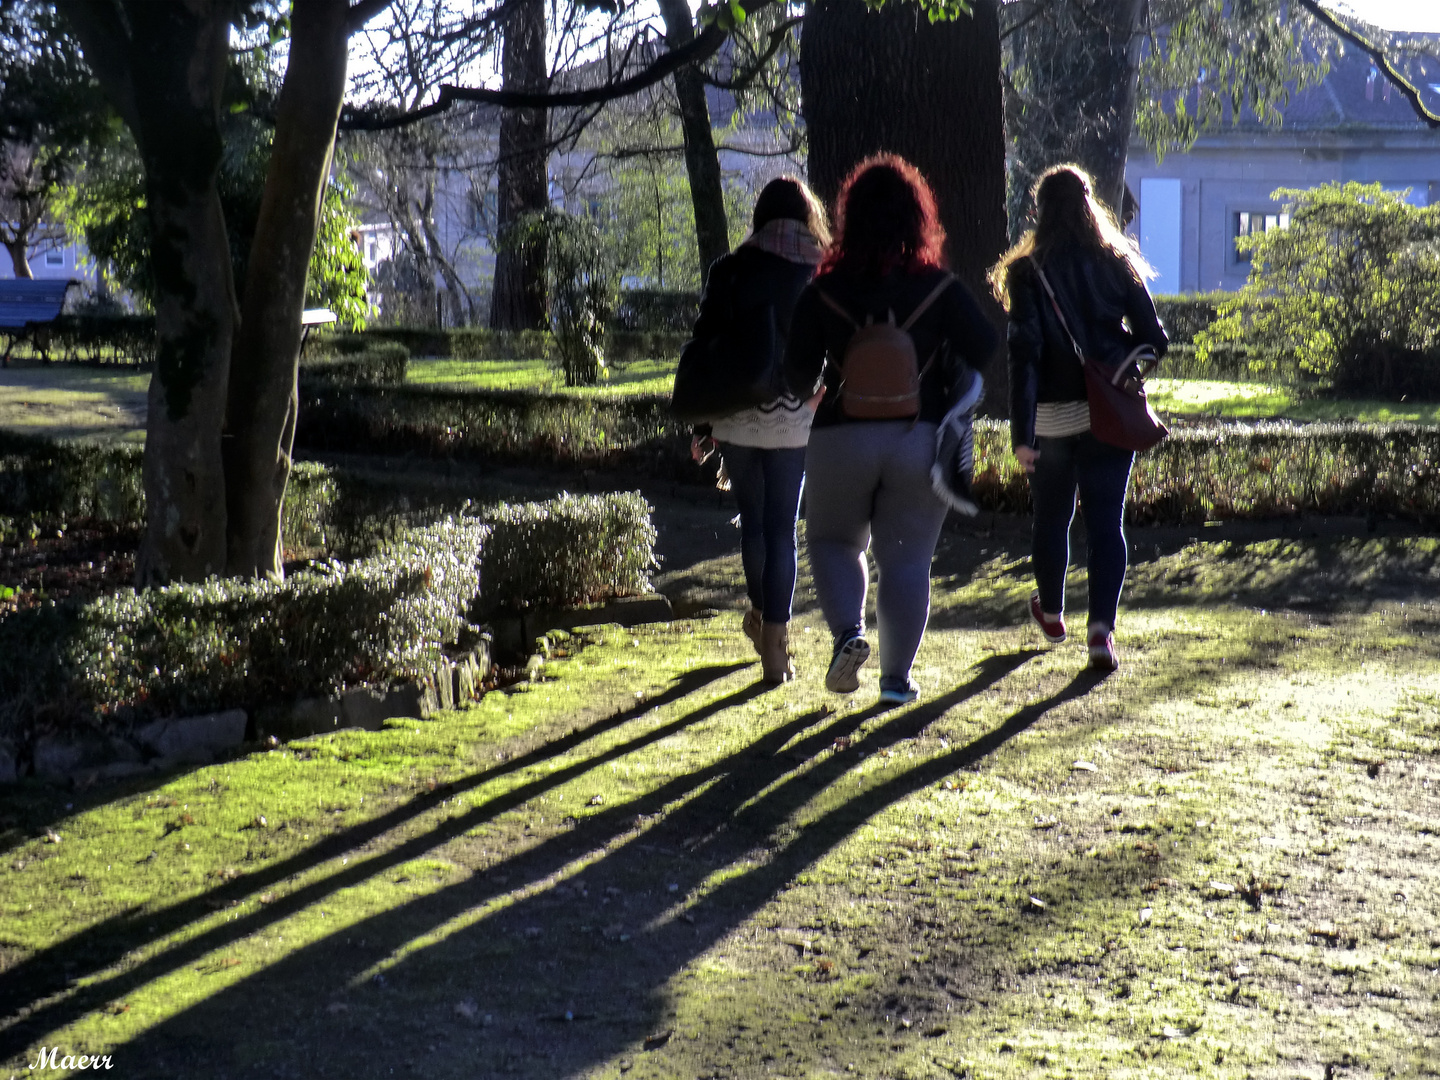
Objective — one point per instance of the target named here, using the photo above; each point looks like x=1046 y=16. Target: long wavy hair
x=789 y=197
x=885 y=221
x=1067 y=212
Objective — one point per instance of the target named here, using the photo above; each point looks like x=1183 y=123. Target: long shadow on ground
x=734 y=824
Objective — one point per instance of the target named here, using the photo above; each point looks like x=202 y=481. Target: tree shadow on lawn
x=731 y=840
x=97 y=947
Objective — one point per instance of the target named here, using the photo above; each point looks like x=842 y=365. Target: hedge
x=97 y=339
x=473 y=343
x=377 y=364
x=573 y=549
x=224 y=643
x=656 y=309
x=1186 y=314
x=57 y=479
x=1219 y=471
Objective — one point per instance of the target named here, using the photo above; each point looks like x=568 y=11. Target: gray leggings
x=868 y=485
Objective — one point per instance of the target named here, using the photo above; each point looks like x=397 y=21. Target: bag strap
x=925 y=304
x=835 y=306
x=1055 y=303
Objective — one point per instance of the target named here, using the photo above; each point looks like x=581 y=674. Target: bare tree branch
x=777 y=39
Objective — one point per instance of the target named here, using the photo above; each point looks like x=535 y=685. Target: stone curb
x=198 y=740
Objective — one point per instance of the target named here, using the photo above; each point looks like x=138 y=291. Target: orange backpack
x=880 y=373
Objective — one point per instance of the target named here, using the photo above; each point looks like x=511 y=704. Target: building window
x=55 y=258
x=1255 y=222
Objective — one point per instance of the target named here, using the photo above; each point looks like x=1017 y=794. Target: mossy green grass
x=1262 y=401
x=638 y=377
x=1219 y=862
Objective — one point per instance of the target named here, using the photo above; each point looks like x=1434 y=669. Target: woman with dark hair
x=1078 y=250
x=886 y=333
x=764 y=447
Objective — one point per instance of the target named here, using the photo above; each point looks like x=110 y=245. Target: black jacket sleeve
x=967 y=327
x=1025 y=339
x=715 y=301
x=1143 y=320
x=805 y=348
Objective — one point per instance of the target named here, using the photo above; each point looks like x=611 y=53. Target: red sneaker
x=1052 y=626
x=1102 y=648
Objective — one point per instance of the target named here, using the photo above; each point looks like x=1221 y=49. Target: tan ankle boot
x=750 y=627
x=775 y=653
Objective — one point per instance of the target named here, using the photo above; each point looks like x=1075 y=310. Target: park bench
x=28 y=309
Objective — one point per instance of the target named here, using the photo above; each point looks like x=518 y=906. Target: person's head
x=1067 y=212
x=787 y=197
x=886 y=220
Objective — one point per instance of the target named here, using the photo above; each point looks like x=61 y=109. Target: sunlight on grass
x=639 y=377
x=1259 y=401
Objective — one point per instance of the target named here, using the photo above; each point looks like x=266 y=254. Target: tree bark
x=262 y=402
x=1079 y=104
x=163 y=67
x=702 y=162
x=19 y=258
x=892 y=81
x=517 y=301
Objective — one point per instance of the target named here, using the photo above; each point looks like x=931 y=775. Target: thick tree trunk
x=702 y=163
x=893 y=81
x=163 y=66
x=1079 y=101
x=262 y=402
x=518 y=299
x=20 y=258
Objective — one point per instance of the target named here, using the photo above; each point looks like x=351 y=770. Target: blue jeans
x=1101 y=474
x=766 y=484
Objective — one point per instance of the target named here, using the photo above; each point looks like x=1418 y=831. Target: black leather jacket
x=1108 y=308
x=747 y=281
x=953 y=330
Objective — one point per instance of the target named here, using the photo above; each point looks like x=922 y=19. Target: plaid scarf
x=789 y=239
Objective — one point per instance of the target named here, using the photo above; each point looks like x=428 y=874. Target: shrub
x=1187 y=314
x=382 y=363
x=574 y=549
x=226 y=642
x=1218 y=471
x=656 y=309
x=98 y=339
x=55 y=479
x=1349 y=293
x=1234 y=362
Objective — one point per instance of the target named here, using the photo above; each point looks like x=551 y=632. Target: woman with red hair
x=888 y=335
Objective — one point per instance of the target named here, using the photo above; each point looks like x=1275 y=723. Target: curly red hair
x=885 y=221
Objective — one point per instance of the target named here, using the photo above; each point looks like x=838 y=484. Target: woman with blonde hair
x=1074 y=281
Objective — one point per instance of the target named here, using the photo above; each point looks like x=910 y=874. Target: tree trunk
x=518 y=299
x=163 y=67
x=19 y=258
x=702 y=163
x=1079 y=99
x=893 y=81
x=262 y=402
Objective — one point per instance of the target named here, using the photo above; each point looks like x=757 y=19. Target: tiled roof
x=1356 y=95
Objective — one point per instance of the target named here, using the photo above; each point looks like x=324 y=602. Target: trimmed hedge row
x=97 y=339
x=656 y=309
x=223 y=643
x=473 y=343
x=1201 y=472
x=1186 y=314
x=378 y=364
x=1271 y=469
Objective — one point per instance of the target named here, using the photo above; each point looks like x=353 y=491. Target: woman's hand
x=701 y=447
x=813 y=403
x=1026 y=455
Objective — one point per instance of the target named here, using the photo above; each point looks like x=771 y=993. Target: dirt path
x=1220 y=862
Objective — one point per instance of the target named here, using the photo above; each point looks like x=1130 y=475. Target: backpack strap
x=935 y=294
x=835 y=306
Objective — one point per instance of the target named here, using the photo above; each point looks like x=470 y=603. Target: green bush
x=1187 y=314
x=656 y=309
x=473 y=343
x=98 y=339
x=574 y=549
x=1231 y=362
x=225 y=642
x=1271 y=469
x=1348 y=294
x=62 y=480
x=382 y=363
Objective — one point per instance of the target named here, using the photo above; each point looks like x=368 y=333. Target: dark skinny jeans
x=766 y=484
x=1101 y=475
